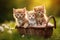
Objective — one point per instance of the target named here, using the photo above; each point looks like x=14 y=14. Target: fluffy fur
x=26 y=18
x=19 y=16
x=40 y=15
x=31 y=18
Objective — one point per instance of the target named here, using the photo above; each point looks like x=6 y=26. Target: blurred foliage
x=6 y=7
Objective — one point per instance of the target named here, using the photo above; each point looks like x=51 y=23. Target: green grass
x=15 y=35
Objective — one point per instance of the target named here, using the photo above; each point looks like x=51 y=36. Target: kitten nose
x=32 y=18
x=17 y=16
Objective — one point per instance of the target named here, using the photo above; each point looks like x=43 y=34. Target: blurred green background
x=6 y=7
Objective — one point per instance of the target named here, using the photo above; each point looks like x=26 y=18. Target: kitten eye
x=29 y=16
x=21 y=14
x=38 y=12
x=17 y=14
x=43 y=11
x=24 y=14
x=33 y=15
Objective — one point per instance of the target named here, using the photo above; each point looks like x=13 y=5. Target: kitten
x=19 y=15
x=31 y=18
x=40 y=15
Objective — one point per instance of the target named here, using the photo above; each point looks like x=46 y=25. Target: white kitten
x=31 y=18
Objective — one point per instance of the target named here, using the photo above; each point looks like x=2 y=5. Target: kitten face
x=39 y=10
x=31 y=15
x=31 y=18
x=19 y=13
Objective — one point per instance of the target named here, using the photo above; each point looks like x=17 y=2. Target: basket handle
x=51 y=17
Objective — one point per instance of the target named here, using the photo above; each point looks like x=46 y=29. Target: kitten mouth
x=42 y=15
x=32 y=19
x=21 y=17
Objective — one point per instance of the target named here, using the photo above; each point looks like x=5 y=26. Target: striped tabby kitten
x=40 y=15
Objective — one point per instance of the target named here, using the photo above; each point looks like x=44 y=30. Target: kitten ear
x=35 y=9
x=13 y=10
x=24 y=9
x=43 y=7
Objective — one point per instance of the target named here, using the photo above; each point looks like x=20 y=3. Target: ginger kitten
x=40 y=15
x=19 y=16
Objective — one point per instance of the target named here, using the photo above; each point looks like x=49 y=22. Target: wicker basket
x=44 y=30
